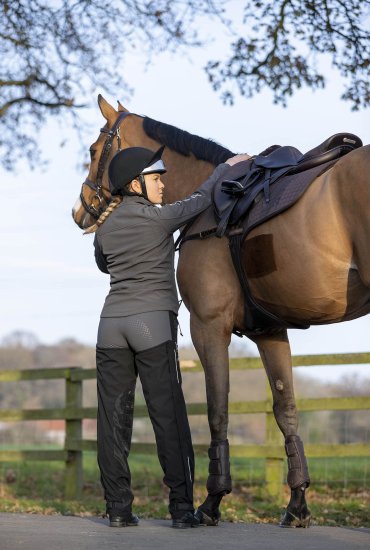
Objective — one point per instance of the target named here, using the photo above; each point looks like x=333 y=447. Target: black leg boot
x=218 y=482
x=297 y=513
x=116 y=379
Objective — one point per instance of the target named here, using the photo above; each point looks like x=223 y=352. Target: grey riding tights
x=136 y=332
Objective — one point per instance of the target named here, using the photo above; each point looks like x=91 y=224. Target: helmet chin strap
x=143 y=186
x=143 y=193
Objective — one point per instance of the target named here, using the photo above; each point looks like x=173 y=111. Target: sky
x=50 y=285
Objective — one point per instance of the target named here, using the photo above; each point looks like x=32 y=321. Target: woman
x=138 y=330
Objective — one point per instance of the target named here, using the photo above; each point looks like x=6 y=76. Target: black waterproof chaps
x=161 y=380
x=116 y=378
x=160 y=377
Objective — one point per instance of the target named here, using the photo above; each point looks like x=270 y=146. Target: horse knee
x=218 y=423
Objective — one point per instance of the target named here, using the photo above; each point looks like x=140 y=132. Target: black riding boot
x=116 y=379
x=161 y=380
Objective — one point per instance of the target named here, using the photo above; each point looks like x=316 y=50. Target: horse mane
x=185 y=143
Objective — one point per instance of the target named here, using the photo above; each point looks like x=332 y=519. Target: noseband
x=99 y=196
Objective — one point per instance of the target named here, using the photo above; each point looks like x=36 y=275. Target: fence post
x=274 y=466
x=73 y=471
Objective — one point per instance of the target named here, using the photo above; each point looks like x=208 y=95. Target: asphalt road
x=37 y=532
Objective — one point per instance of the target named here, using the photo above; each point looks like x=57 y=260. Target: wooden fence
x=273 y=450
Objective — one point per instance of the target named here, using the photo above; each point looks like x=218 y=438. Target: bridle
x=98 y=201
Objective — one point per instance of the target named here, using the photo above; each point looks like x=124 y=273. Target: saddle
x=257 y=190
x=235 y=196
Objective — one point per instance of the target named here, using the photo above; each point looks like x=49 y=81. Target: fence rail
x=273 y=450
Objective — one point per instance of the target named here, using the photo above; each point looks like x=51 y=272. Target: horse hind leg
x=276 y=357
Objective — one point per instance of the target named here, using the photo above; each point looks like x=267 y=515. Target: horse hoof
x=290 y=520
x=205 y=519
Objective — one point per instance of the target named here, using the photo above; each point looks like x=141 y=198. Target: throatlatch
x=297 y=463
x=219 y=479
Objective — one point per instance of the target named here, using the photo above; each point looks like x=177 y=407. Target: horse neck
x=184 y=174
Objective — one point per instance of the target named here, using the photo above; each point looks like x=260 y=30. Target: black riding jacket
x=135 y=246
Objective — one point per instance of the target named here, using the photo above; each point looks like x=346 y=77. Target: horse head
x=95 y=195
x=189 y=159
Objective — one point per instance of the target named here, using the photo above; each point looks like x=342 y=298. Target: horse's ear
x=106 y=109
x=121 y=108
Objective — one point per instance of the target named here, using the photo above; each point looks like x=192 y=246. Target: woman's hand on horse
x=237 y=158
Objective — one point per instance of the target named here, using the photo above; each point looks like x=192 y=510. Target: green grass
x=339 y=494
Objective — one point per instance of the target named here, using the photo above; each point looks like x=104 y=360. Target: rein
x=100 y=197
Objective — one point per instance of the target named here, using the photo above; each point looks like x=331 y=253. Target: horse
x=321 y=275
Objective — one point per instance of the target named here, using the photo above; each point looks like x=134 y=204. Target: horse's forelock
x=185 y=143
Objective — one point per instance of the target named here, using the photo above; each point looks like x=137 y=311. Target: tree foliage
x=280 y=43
x=55 y=54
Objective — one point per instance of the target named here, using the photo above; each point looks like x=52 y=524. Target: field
x=339 y=495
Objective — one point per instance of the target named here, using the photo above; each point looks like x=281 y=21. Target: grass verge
x=339 y=494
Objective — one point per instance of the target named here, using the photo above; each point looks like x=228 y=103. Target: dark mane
x=185 y=143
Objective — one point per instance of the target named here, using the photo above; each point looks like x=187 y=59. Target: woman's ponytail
x=112 y=205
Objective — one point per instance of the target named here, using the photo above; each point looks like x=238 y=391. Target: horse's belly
x=301 y=299
x=298 y=264
x=341 y=299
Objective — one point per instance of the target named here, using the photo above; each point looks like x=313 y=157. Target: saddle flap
x=223 y=201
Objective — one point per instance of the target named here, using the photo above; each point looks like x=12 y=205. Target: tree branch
x=47 y=104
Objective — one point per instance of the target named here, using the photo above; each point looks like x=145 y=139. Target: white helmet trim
x=157 y=168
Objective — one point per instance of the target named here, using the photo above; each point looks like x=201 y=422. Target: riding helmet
x=130 y=163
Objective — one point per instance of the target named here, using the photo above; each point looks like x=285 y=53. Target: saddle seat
x=333 y=147
x=233 y=197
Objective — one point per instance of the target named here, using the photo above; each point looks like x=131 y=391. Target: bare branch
x=55 y=54
x=280 y=45
x=49 y=105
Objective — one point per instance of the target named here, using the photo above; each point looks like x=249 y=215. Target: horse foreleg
x=276 y=357
x=211 y=340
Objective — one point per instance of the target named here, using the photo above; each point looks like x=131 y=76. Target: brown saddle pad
x=283 y=194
